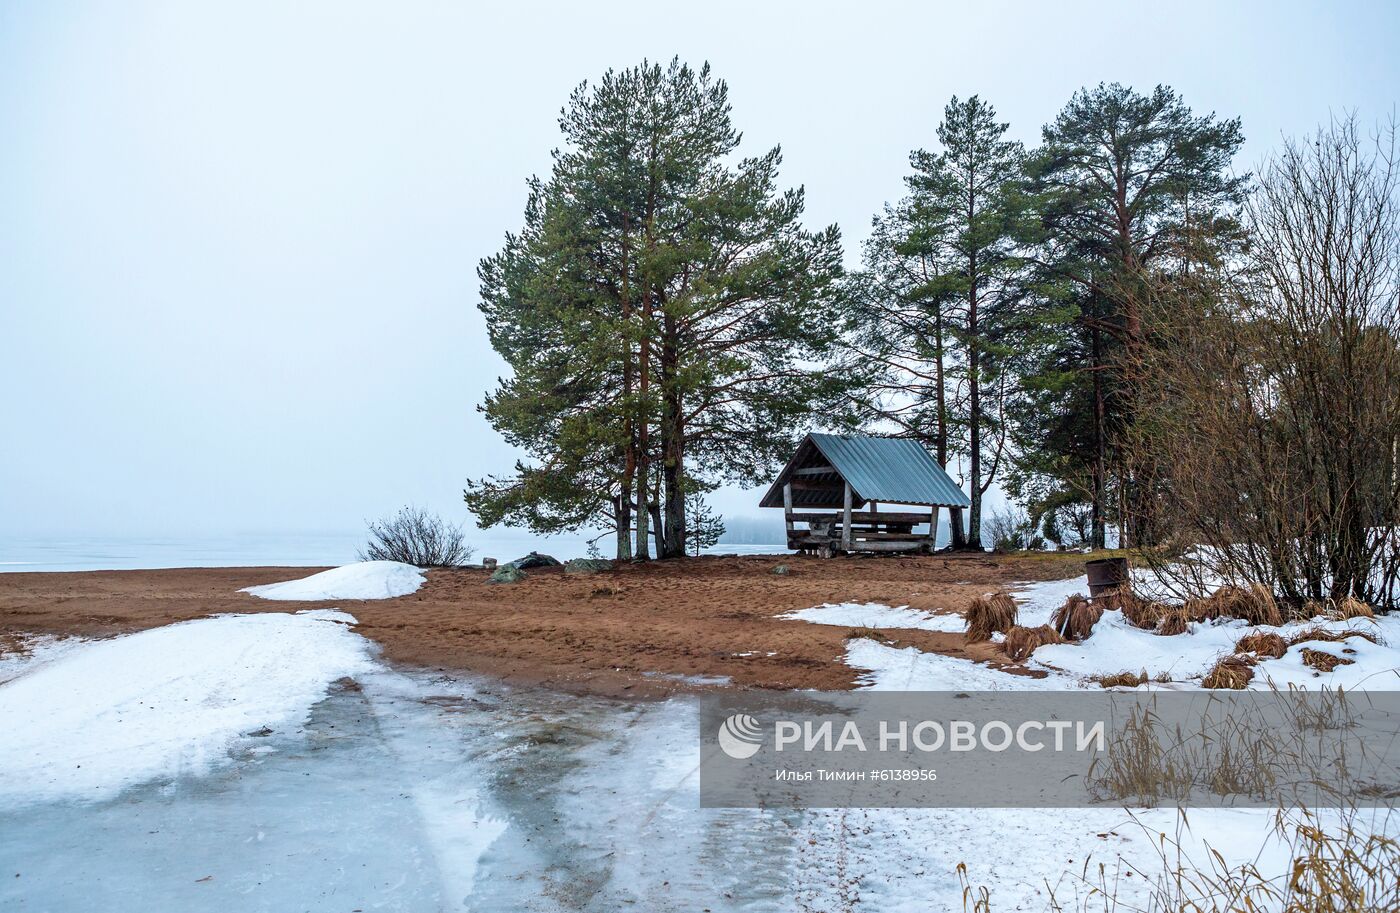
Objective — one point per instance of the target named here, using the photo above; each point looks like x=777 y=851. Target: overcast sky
x=238 y=240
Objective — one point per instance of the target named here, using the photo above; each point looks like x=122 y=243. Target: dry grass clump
x=1232 y=672
x=1337 y=863
x=1122 y=679
x=1324 y=662
x=1021 y=642
x=1173 y=623
x=1262 y=643
x=1076 y=618
x=1254 y=603
x=870 y=633
x=1140 y=612
x=1197 y=609
x=989 y=614
x=1349 y=608
x=1331 y=637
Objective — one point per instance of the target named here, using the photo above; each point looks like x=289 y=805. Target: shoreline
x=638 y=631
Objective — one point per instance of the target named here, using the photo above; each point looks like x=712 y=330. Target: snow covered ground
x=900 y=859
x=876 y=616
x=365 y=580
x=229 y=764
x=1114 y=646
x=164 y=703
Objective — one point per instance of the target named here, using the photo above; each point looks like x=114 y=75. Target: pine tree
x=665 y=314
x=1127 y=186
x=704 y=525
x=901 y=339
x=939 y=294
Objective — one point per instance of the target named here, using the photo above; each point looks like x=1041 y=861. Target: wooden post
x=933 y=527
x=846 y=538
x=787 y=510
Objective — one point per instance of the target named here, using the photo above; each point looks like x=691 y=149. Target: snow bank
x=366 y=580
x=877 y=616
x=166 y=702
x=1374 y=667
x=1117 y=646
x=1114 y=646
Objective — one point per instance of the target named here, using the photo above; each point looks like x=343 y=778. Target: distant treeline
x=1086 y=322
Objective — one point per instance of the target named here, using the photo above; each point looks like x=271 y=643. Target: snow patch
x=1036 y=602
x=910 y=669
x=27 y=653
x=1373 y=667
x=167 y=702
x=365 y=580
x=1117 y=646
x=1114 y=646
x=878 y=616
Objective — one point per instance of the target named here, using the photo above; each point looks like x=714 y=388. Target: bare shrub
x=989 y=614
x=1021 y=642
x=1075 y=619
x=1262 y=643
x=1010 y=530
x=1269 y=419
x=1232 y=672
x=414 y=536
x=1323 y=661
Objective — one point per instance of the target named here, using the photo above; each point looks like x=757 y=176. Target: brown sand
x=637 y=630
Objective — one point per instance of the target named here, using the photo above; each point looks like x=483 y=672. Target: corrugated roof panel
x=890 y=470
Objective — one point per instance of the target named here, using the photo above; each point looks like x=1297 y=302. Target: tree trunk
x=659 y=527
x=623 y=503
x=974 y=390
x=622 y=513
x=956 y=539
x=1100 y=443
x=644 y=480
x=643 y=552
x=672 y=442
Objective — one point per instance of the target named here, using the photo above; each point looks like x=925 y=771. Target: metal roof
x=887 y=470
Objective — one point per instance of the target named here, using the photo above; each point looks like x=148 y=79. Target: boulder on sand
x=534 y=559
x=506 y=573
x=587 y=565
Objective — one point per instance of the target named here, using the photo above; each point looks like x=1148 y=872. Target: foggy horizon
x=240 y=243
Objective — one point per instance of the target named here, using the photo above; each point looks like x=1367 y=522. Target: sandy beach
x=640 y=630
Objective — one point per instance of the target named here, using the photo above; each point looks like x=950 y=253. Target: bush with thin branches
x=415 y=536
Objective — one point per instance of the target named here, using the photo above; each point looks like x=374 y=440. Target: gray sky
x=238 y=240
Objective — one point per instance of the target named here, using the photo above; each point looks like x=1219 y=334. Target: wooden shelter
x=835 y=485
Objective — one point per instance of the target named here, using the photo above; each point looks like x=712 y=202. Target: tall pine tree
x=1128 y=186
x=939 y=295
x=664 y=312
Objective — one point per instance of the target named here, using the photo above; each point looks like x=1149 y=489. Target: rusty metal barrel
x=1106 y=574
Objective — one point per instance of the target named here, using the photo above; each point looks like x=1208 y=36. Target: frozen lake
x=117 y=553
x=404 y=792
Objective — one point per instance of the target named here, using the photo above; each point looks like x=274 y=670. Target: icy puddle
x=402 y=791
